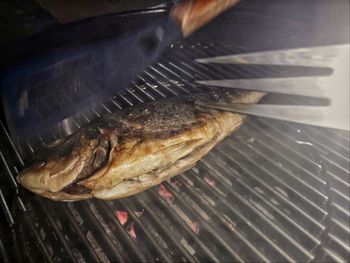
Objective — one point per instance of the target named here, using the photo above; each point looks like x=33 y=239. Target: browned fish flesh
x=126 y=152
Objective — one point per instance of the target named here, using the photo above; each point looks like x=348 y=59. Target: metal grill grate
x=273 y=191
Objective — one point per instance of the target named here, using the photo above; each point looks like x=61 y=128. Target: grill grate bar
x=20 y=245
x=29 y=147
x=323 y=142
x=166 y=87
x=250 y=227
x=126 y=101
x=282 y=158
x=341 y=186
x=181 y=85
x=199 y=72
x=333 y=256
x=228 y=69
x=340 y=243
x=177 y=83
x=273 y=132
x=282 y=171
x=39 y=243
x=153 y=87
x=6 y=209
x=116 y=104
x=160 y=250
x=336 y=168
x=344 y=211
x=107 y=109
x=167 y=206
x=340 y=196
x=264 y=216
x=67 y=249
x=8 y=185
x=7 y=137
x=46 y=231
x=342 y=228
x=233 y=163
x=329 y=143
x=279 y=231
x=172 y=235
x=85 y=117
x=287 y=206
x=321 y=154
x=132 y=246
x=99 y=111
x=69 y=213
x=7 y=169
x=343 y=137
x=134 y=95
x=251 y=249
x=287 y=189
x=213 y=71
x=97 y=231
x=327 y=151
x=121 y=95
x=94 y=110
x=41 y=139
x=143 y=91
x=3 y=253
x=245 y=190
x=92 y=114
x=181 y=70
x=188 y=205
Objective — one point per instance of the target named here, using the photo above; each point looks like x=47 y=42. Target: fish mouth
x=76 y=158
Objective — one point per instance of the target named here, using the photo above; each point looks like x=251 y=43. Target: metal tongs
x=334 y=87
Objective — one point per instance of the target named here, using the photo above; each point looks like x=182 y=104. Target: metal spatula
x=334 y=87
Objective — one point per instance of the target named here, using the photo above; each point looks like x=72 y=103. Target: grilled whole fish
x=134 y=149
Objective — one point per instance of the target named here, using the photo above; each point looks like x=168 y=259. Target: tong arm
x=304 y=86
x=324 y=56
x=312 y=115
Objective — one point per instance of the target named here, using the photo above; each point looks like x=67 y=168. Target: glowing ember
x=163 y=192
x=209 y=181
x=131 y=231
x=195 y=227
x=139 y=213
x=175 y=183
x=122 y=216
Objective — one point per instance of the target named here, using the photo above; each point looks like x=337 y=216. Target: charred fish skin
x=126 y=152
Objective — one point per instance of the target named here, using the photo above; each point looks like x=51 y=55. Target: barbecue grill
x=273 y=191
